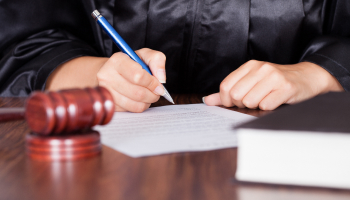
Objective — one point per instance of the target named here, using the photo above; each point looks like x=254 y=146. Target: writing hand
x=133 y=88
x=265 y=85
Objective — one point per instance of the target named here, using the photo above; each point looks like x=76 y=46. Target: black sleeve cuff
x=33 y=74
x=332 y=54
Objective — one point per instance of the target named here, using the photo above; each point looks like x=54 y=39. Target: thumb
x=155 y=61
x=212 y=100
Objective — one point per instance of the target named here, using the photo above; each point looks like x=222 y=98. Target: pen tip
x=167 y=96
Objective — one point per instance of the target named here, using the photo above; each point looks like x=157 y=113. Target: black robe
x=204 y=40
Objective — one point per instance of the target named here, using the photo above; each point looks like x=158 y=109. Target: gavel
x=65 y=111
x=61 y=122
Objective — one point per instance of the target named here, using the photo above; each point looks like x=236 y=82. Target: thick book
x=305 y=144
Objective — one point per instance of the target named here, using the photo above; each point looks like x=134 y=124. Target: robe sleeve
x=332 y=50
x=36 y=37
x=27 y=65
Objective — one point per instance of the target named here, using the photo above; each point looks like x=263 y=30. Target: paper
x=170 y=129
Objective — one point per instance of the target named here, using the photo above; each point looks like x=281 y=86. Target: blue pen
x=123 y=46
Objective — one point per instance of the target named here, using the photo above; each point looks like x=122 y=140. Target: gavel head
x=68 y=110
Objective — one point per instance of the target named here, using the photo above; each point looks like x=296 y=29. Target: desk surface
x=196 y=175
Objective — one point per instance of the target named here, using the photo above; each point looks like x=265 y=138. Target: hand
x=267 y=85
x=132 y=87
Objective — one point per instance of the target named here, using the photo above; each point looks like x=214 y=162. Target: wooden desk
x=181 y=176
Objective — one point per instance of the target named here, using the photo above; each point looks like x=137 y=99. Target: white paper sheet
x=169 y=129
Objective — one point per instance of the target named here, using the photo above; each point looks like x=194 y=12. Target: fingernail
x=159 y=90
x=161 y=75
x=203 y=99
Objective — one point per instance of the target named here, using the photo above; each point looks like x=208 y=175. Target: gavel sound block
x=61 y=122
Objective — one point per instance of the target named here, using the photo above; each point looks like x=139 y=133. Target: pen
x=123 y=46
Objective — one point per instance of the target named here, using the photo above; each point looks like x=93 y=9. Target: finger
x=119 y=109
x=274 y=99
x=125 y=88
x=243 y=86
x=239 y=104
x=126 y=104
x=133 y=73
x=247 y=83
x=227 y=84
x=212 y=100
x=258 y=93
x=156 y=62
x=274 y=90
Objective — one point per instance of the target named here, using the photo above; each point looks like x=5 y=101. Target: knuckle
x=276 y=75
x=118 y=58
x=145 y=49
x=159 y=55
x=224 y=87
x=267 y=67
x=115 y=58
x=235 y=94
x=288 y=86
x=101 y=77
x=252 y=65
x=138 y=77
x=253 y=62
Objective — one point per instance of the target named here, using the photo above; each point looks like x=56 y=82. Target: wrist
x=320 y=79
x=76 y=73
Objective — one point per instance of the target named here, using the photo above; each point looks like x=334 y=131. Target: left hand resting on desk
x=268 y=85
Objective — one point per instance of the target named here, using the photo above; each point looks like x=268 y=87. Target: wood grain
x=181 y=176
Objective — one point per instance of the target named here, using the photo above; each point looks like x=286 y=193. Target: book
x=306 y=144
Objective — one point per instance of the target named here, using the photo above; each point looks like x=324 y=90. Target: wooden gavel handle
x=10 y=114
